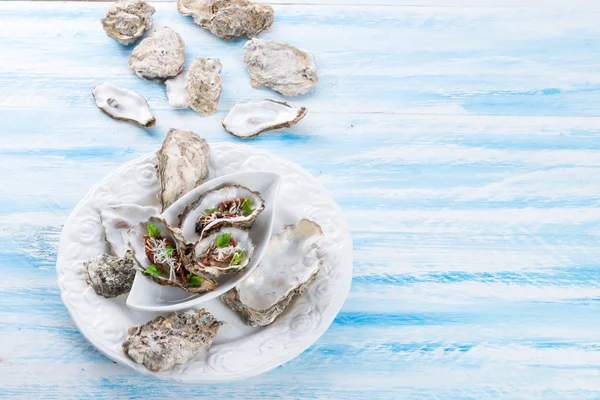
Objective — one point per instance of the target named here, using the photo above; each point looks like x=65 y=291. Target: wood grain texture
x=461 y=144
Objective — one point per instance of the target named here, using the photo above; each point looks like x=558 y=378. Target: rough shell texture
x=288 y=268
x=159 y=56
x=175 y=339
x=251 y=118
x=204 y=85
x=127 y=20
x=177 y=90
x=110 y=276
x=243 y=242
x=279 y=66
x=229 y=19
x=123 y=104
x=117 y=220
x=182 y=164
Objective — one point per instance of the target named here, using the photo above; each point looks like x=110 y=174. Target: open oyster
x=177 y=90
x=279 y=66
x=110 y=276
x=250 y=118
x=117 y=220
x=228 y=249
x=127 y=20
x=182 y=164
x=123 y=104
x=159 y=56
x=230 y=205
x=290 y=265
x=161 y=253
x=175 y=339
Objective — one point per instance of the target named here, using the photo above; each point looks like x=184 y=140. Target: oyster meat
x=230 y=205
x=123 y=104
x=204 y=85
x=226 y=250
x=251 y=118
x=162 y=254
x=175 y=339
x=228 y=19
x=127 y=20
x=159 y=56
x=279 y=66
x=289 y=266
x=182 y=164
x=110 y=276
x=117 y=220
x=177 y=90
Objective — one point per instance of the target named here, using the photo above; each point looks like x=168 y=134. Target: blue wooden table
x=461 y=142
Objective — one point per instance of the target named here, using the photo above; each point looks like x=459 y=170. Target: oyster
x=226 y=250
x=204 y=85
x=175 y=339
x=230 y=205
x=123 y=104
x=279 y=66
x=117 y=220
x=290 y=265
x=110 y=276
x=251 y=118
x=159 y=56
x=127 y=20
x=182 y=164
x=228 y=19
x=161 y=253
x=177 y=90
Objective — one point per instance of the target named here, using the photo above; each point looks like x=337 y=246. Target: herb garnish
x=153 y=270
x=194 y=280
x=246 y=205
x=153 y=230
x=223 y=240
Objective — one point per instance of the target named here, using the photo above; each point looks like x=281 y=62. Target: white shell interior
x=177 y=90
x=292 y=257
x=117 y=221
x=241 y=237
x=249 y=118
x=122 y=103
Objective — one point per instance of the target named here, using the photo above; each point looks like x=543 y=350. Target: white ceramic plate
x=238 y=351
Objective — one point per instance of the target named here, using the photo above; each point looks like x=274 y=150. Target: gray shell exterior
x=158 y=57
x=182 y=165
x=110 y=276
x=204 y=85
x=127 y=20
x=175 y=339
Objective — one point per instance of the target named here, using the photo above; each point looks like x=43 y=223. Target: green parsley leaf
x=209 y=211
x=193 y=280
x=153 y=230
x=170 y=250
x=153 y=270
x=237 y=257
x=223 y=240
x=246 y=205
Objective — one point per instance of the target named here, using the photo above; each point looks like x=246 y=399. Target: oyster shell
x=177 y=90
x=117 y=220
x=279 y=66
x=127 y=20
x=250 y=118
x=227 y=250
x=159 y=56
x=196 y=221
x=228 y=19
x=165 y=257
x=175 y=339
x=204 y=85
x=123 y=104
x=110 y=276
x=182 y=164
x=290 y=265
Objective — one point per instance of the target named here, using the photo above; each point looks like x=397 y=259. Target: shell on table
x=250 y=118
x=158 y=57
x=235 y=254
x=123 y=104
x=204 y=85
x=127 y=20
x=177 y=90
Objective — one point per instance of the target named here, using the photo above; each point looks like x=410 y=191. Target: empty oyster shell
x=182 y=164
x=204 y=85
x=123 y=104
x=290 y=265
x=110 y=276
x=226 y=250
x=159 y=56
x=228 y=19
x=161 y=252
x=226 y=206
x=175 y=339
x=279 y=66
x=127 y=20
x=177 y=90
x=117 y=221
x=251 y=118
